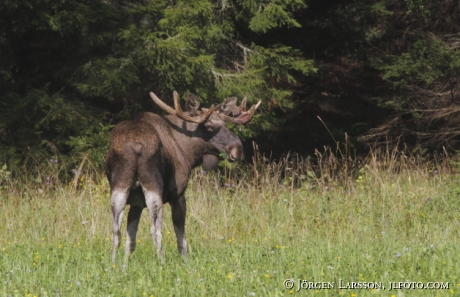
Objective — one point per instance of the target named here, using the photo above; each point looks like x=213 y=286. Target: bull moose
x=150 y=160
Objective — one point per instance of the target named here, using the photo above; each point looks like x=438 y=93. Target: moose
x=150 y=159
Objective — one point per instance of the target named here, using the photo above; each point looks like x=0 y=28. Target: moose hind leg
x=155 y=206
x=134 y=216
x=150 y=176
x=118 y=199
x=179 y=209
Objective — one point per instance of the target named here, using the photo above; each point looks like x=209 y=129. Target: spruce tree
x=71 y=69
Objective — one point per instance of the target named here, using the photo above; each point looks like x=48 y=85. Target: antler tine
x=178 y=110
x=161 y=104
x=243 y=104
x=185 y=117
x=244 y=118
x=205 y=117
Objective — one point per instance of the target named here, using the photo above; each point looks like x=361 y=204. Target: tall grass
x=389 y=217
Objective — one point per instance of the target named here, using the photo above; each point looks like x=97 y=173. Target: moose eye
x=209 y=126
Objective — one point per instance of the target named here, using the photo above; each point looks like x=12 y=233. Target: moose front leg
x=179 y=209
x=134 y=216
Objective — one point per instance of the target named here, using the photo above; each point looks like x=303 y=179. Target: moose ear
x=210 y=125
x=227 y=106
x=192 y=104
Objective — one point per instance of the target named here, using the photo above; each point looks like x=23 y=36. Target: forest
x=372 y=72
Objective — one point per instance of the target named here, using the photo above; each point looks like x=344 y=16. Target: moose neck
x=189 y=138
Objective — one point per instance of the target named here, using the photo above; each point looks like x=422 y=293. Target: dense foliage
x=70 y=69
x=400 y=55
x=384 y=70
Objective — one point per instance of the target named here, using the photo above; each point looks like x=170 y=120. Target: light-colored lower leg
x=118 y=202
x=155 y=205
x=181 y=241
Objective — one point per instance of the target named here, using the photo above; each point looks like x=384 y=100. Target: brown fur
x=154 y=155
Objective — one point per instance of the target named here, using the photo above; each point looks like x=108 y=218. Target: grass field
x=328 y=229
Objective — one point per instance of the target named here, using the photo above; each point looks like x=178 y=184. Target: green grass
x=384 y=221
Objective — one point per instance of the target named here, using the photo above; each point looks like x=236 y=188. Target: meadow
x=330 y=225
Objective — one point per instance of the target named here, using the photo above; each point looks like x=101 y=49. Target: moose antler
x=244 y=117
x=242 y=106
x=178 y=110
